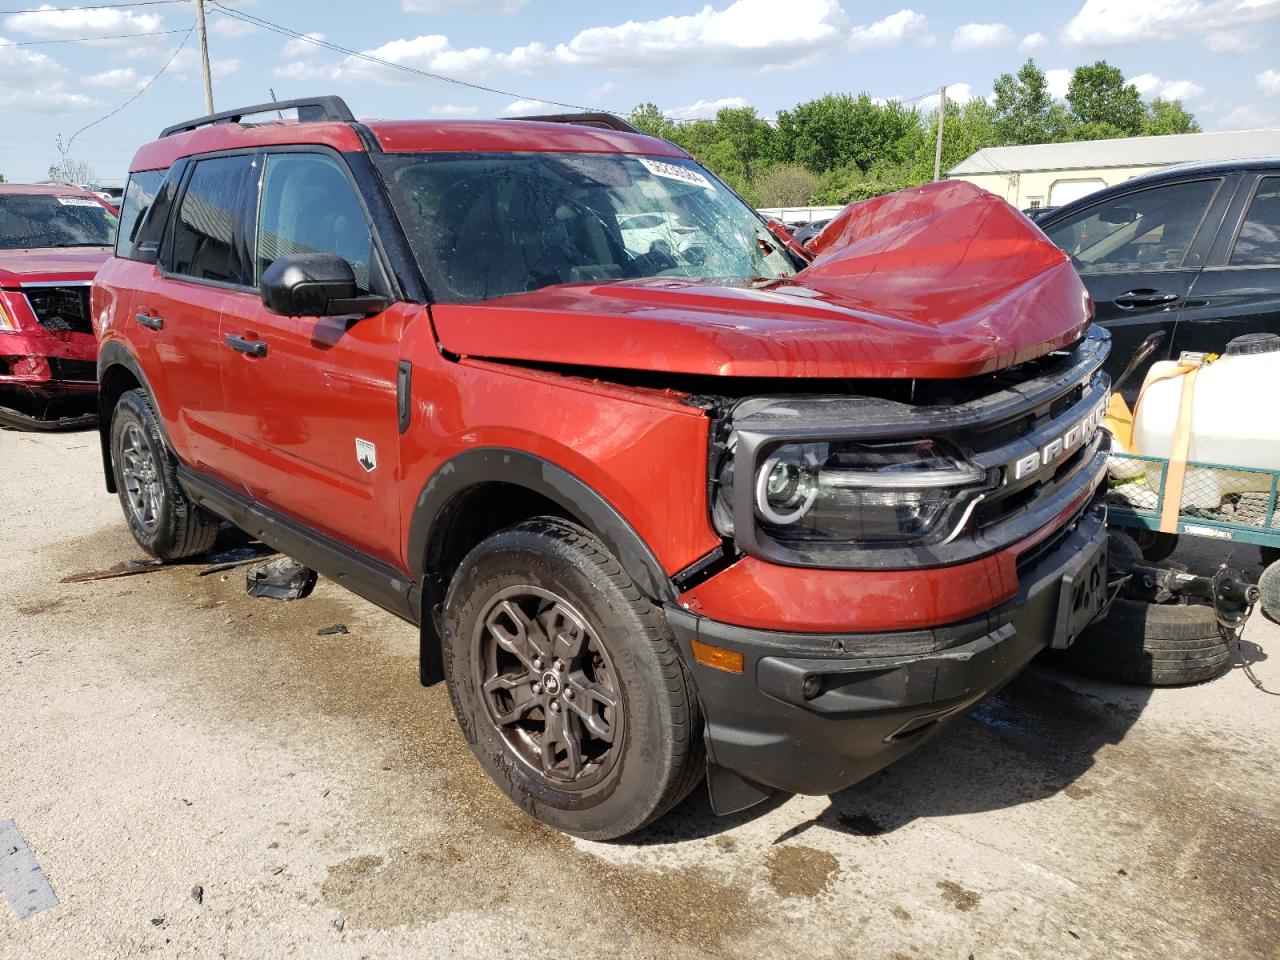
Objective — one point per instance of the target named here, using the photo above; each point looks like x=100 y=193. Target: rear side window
x=139 y=195
x=1258 y=244
x=204 y=244
x=1147 y=230
x=309 y=206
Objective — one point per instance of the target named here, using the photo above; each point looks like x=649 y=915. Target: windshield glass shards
x=32 y=221
x=488 y=225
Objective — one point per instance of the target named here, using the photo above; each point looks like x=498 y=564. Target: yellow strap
x=1177 y=470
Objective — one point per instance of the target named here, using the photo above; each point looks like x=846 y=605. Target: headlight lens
x=7 y=322
x=852 y=492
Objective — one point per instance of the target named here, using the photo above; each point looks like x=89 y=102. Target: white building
x=1051 y=174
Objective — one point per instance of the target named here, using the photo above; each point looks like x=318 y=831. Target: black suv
x=1193 y=250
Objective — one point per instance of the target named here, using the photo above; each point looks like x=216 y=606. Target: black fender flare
x=481 y=465
x=116 y=354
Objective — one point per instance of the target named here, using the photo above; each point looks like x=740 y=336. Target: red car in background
x=53 y=238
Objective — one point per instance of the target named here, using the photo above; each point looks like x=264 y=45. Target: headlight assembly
x=859 y=493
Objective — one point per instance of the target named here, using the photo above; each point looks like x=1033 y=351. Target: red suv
x=662 y=497
x=53 y=238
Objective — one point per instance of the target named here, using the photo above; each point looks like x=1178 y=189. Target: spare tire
x=1269 y=588
x=1152 y=644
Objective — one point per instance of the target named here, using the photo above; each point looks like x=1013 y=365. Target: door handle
x=254 y=348
x=1145 y=297
x=152 y=321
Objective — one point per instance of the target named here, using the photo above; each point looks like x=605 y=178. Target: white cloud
x=50 y=23
x=704 y=109
x=454 y=110
x=504 y=7
x=300 y=48
x=186 y=63
x=18 y=65
x=596 y=94
x=983 y=36
x=892 y=31
x=223 y=26
x=1268 y=82
x=121 y=78
x=1244 y=118
x=1033 y=43
x=1231 y=41
x=1057 y=82
x=1151 y=85
x=746 y=32
x=522 y=108
x=1109 y=22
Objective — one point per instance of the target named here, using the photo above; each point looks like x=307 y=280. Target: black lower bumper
x=814 y=714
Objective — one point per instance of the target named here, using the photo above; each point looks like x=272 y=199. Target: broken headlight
x=858 y=493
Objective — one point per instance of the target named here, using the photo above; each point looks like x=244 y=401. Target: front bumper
x=813 y=713
x=48 y=381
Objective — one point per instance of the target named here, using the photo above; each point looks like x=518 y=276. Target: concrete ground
x=165 y=732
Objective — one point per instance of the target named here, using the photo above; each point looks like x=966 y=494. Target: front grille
x=61 y=309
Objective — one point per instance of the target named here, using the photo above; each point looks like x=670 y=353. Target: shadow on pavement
x=1031 y=740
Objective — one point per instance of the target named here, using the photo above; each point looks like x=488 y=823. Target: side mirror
x=314 y=285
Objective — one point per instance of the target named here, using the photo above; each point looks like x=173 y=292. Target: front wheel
x=566 y=682
x=164 y=522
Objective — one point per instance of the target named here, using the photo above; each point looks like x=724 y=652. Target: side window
x=138 y=197
x=204 y=238
x=1258 y=243
x=308 y=206
x=1147 y=230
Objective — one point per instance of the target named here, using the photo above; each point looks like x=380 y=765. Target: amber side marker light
x=729 y=661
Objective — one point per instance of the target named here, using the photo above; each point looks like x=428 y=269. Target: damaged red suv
x=53 y=238
x=663 y=497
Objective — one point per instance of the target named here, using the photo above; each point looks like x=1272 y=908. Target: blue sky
x=1222 y=57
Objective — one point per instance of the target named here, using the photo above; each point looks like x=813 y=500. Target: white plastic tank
x=1233 y=419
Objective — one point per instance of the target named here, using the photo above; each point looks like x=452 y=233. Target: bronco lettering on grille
x=1057 y=448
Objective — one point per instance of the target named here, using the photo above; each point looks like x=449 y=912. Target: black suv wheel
x=164 y=522
x=566 y=682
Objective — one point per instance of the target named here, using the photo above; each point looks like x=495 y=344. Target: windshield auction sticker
x=673 y=172
x=78 y=202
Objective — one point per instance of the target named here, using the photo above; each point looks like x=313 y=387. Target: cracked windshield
x=486 y=225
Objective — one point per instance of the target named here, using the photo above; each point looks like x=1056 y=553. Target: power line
x=141 y=90
x=359 y=55
x=117 y=36
x=96 y=6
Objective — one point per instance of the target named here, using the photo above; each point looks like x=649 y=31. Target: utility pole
x=942 y=119
x=204 y=56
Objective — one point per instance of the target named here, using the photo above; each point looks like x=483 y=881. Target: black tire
x=1152 y=644
x=655 y=753
x=1269 y=590
x=165 y=523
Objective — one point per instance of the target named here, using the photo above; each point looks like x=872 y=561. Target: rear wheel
x=566 y=682
x=164 y=522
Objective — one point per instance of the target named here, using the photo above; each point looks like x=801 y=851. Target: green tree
x=838 y=129
x=2 y=180
x=647 y=118
x=1098 y=96
x=969 y=127
x=1168 y=116
x=1022 y=106
x=785 y=185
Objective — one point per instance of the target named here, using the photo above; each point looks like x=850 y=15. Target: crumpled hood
x=51 y=264
x=940 y=281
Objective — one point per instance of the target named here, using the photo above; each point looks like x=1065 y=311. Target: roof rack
x=310 y=110
x=606 y=120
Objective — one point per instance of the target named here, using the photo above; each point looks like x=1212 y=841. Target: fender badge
x=366 y=455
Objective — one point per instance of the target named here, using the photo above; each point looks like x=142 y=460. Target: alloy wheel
x=549 y=687
x=140 y=474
